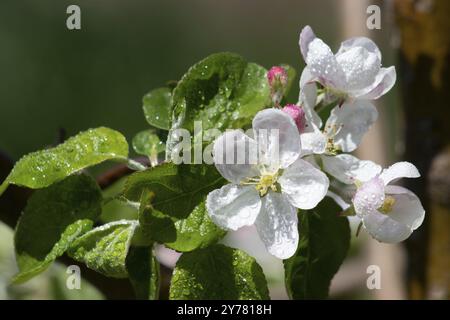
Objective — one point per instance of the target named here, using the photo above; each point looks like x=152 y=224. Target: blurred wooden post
x=424 y=78
x=390 y=258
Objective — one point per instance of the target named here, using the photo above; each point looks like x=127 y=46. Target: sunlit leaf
x=105 y=248
x=218 y=272
x=157 y=105
x=43 y=168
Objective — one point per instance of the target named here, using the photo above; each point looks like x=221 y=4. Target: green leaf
x=177 y=215
x=222 y=91
x=147 y=143
x=143 y=271
x=323 y=245
x=43 y=168
x=195 y=231
x=53 y=218
x=105 y=248
x=177 y=189
x=157 y=105
x=218 y=273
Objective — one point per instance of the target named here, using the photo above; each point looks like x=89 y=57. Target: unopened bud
x=298 y=114
x=278 y=78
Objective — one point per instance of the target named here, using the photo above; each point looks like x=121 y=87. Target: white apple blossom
x=343 y=130
x=354 y=72
x=268 y=192
x=350 y=79
x=389 y=213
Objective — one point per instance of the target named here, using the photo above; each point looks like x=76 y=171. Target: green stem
x=4 y=186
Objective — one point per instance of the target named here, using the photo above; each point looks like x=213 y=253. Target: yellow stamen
x=387 y=205
x=266 y=182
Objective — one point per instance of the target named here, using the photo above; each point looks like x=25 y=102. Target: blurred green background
x=52 y=77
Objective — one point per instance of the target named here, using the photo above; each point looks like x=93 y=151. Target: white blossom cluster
x=312 y=157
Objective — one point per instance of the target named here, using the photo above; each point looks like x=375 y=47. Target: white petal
x=232 y=206
x=347 y=168
x=360 y=67
x=385 y=229
x=233 y=152
x=406 y=215
x=338 y=199
x=369 y=197
x=303 y=184
x=351 y=121
x=308 y=97
x=399 y=170
x=364 y=42
x=306 y=36
x=313 y=142
x=277 y=225
x=407 y=207
x=384 y=81
x=311 y=159
x=278 y=138
x=323 y=64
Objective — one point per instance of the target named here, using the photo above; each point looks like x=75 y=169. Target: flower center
x=330 y=131
x=263 y=183
x=387 y=205
x=266 y=182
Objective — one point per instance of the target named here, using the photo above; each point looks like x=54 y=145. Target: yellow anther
x=331 y=148
x=387 y=205
x=267 y=181
x=358 y=184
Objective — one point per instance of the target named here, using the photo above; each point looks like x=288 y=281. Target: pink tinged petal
x=384 y=81
x=278 y=138
x=360 y=67
x=399 y=170
x=235 y=155
x=277 y=225
x=407 y=208
x=297 y=114
x=369 y=197
x=232 y=206
x=313 y=142
x=351 y=121
x=306 y=36
x=308 y=97
x=364 y=42
x=347 y=168
x=385 y=229
x=303 y=185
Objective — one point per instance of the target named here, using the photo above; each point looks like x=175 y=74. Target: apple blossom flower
x=268 y=192
x=343 y=130
x=354 y=72
x=350 y=78
x=389 y=213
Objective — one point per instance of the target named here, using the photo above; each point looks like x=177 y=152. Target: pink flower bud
x=298 y=114
x=277 y=74
x=277 y=78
